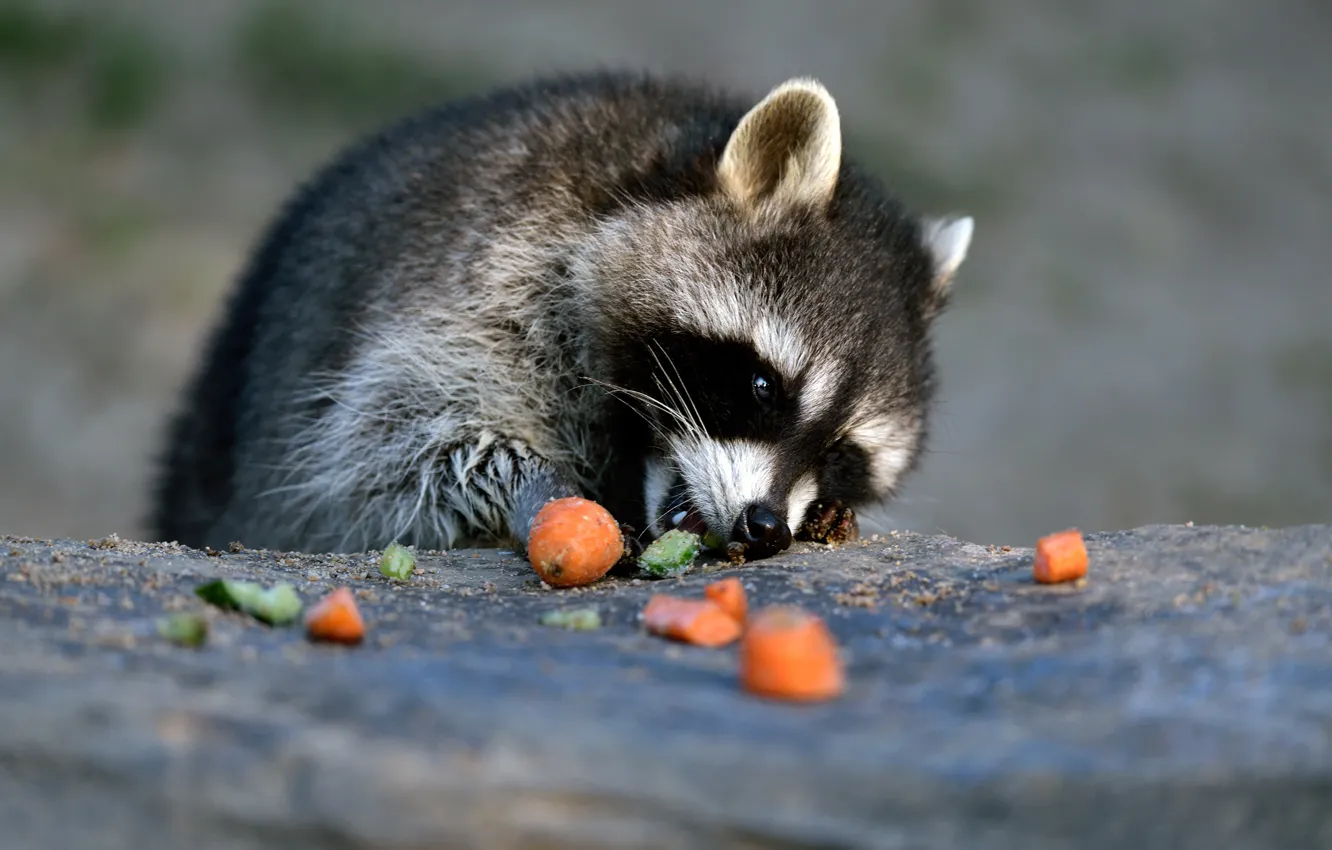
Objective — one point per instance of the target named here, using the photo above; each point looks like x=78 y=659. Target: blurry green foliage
x=313 y=66
x=127 y=78
x=114 y=71
x=36 y=40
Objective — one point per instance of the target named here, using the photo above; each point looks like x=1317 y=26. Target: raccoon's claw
x=832 y=523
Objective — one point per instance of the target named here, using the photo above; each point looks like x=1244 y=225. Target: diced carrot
x=336 y=618
x=1060 y=557
x=701 y=622
x=789 y=654
x=729 y=593
x=574 y=542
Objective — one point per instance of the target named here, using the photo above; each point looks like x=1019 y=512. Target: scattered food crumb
x=729 y=594
x=574 y=542
x=336 y=618
x=278 y=605
x=397 y=562
x=789 y=654
x=185 y=629
x=701 y=622
x=671 y=554
x=1060 y=557
x=575 y=619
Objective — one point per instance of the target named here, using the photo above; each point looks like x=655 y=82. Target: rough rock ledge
x=1180 y=697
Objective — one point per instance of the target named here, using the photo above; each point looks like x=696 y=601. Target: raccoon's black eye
x=764 y=390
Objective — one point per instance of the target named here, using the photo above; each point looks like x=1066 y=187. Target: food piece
x=184 y=629
x=701 y=622
x=1060 y=557
x=397 y=562
x=789 y=654
x=671 y=554
x=713 y=540
x=574 y=542
x=735 y=552
x=230 y=594
x=277 y=606
x=336 y=618
x=729 y=594
x=577 y=619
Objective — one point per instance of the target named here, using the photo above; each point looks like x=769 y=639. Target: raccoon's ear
x=947 y=240
x=787 y=149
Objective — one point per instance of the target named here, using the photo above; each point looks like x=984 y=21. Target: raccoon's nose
x=763 y=534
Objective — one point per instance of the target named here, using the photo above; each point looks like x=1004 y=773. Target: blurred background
x=1142 y=332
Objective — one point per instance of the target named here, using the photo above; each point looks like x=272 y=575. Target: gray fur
x=463 y=317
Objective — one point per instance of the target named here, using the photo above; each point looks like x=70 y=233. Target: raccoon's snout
x=761 y=531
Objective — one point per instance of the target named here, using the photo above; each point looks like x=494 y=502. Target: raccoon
x=682 y=303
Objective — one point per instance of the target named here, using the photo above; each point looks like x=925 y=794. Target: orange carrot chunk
x=336 y=618
x=789 y=654
x=701 y=622
x=574 y=542
x=1060 y=557
x=729 y=594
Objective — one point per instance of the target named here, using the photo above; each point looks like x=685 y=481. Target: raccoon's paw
x=833 y=523
x=633 y=547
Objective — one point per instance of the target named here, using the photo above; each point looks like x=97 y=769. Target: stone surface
x=1180 y=697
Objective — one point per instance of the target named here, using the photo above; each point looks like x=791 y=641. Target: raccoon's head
x=773 y=328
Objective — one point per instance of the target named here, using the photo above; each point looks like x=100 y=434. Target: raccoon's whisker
x=681 y=416
x=682 y=389
x=646 y=399
x=663 y=515
x=617 y=394
x=692 y=426
x=660 y=373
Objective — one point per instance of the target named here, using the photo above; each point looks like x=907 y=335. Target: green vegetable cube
x=277 y=605
x=280 y=605
x=184 y=629
x=397 y=562
x=672 y=553
x=230 y=594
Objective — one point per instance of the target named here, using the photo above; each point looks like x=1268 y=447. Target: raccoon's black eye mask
x=735 y=393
